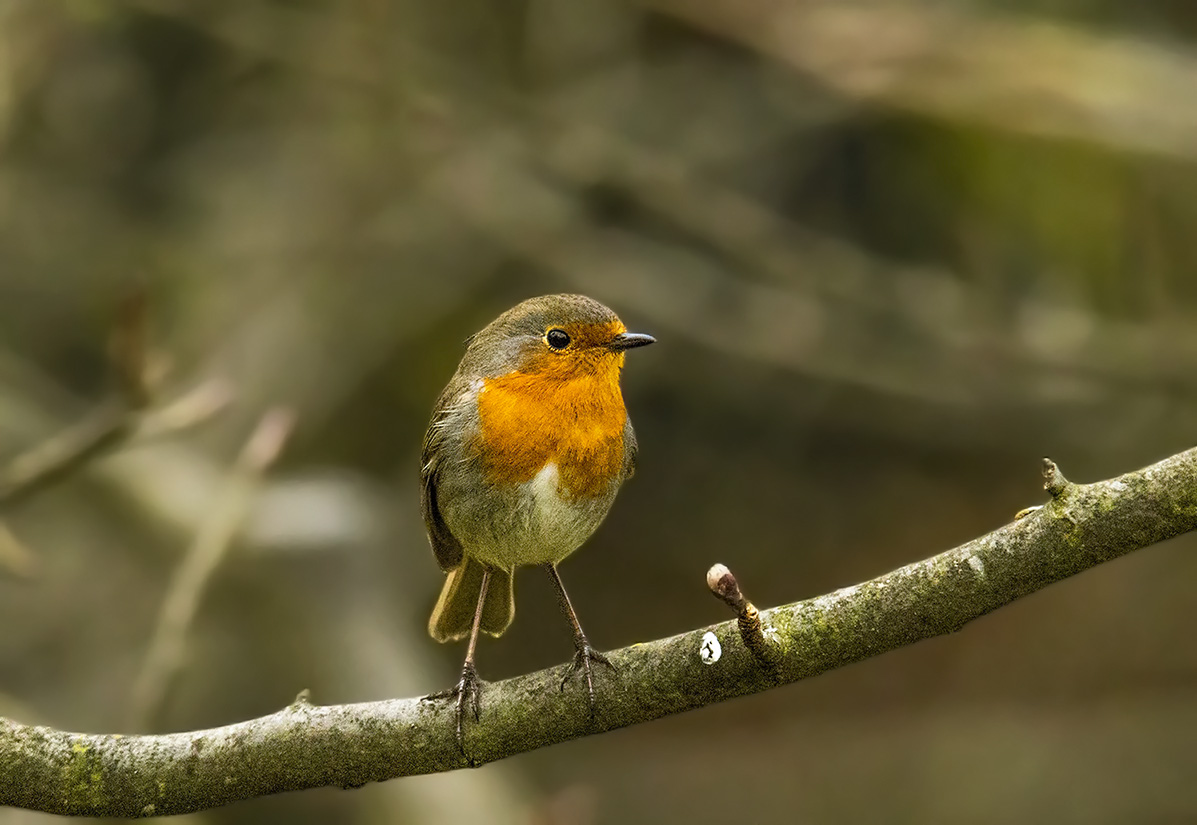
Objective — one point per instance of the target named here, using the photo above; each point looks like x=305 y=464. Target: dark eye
x=557 y=338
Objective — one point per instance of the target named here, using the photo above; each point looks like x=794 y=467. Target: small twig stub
x=1053 y=480
x=722 y=582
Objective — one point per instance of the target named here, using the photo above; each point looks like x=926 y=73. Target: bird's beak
x=630 y=340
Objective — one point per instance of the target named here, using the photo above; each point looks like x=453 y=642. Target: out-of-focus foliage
x=894 y=252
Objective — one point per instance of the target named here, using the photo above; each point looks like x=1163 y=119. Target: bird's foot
x=583 y=659
x=467 y=693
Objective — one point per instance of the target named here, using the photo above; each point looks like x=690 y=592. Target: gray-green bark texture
x=306 y=746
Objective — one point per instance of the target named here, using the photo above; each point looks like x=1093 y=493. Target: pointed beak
x=630 y=340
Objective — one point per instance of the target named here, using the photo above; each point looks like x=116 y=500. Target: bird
x=527 y=447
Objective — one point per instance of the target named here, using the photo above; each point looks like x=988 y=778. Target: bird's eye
x=557 y=338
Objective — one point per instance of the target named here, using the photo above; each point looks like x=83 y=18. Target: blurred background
x=894 y=253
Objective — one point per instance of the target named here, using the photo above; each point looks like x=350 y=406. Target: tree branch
x=306 y=746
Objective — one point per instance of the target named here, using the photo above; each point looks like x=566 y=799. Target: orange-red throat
x=559 y=406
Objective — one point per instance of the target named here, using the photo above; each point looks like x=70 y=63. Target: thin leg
x=477 y=616
x=467 y=690
x=584 y=653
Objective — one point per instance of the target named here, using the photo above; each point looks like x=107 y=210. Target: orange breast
x=530 y=419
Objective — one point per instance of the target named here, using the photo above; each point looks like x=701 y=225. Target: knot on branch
x=723 y=584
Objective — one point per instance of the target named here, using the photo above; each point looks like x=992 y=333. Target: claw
x=467 y=693
x=582 y=663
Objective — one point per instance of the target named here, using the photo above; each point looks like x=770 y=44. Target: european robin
x=528 y=445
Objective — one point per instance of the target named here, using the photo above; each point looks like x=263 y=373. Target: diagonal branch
x=164 y=657
x=132 y=415
x=306 y=746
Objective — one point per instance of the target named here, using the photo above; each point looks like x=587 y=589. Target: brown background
x=894 y=254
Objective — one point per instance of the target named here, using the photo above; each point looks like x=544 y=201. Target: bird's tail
x=454 y=612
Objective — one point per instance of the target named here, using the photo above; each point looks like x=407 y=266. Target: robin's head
x=555 y=336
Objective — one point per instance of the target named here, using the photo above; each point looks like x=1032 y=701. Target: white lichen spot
x=976 y=564
x=710 y=650
x=1118 y=485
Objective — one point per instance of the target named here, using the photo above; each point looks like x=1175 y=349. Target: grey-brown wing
x=445 y=545
x=630 y=448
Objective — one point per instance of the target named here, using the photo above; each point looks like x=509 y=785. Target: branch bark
x=306 y=746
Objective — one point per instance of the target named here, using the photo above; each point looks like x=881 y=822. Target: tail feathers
x=499 y=609
x=454 y=612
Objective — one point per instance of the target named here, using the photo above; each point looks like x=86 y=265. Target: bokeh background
x=894 y=253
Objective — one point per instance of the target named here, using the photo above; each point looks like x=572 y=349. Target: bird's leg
x=467 y=691
x=585 y=654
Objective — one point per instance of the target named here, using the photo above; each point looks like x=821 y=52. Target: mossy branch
x=306 y=746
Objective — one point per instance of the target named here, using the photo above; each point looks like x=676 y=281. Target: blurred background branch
x=15 y=558
x=1008 y=72
x=165 y=655
x=116 y=422
x=101 y=432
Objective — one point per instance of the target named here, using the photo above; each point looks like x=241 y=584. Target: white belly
x=536 y=523
x=548 y=506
